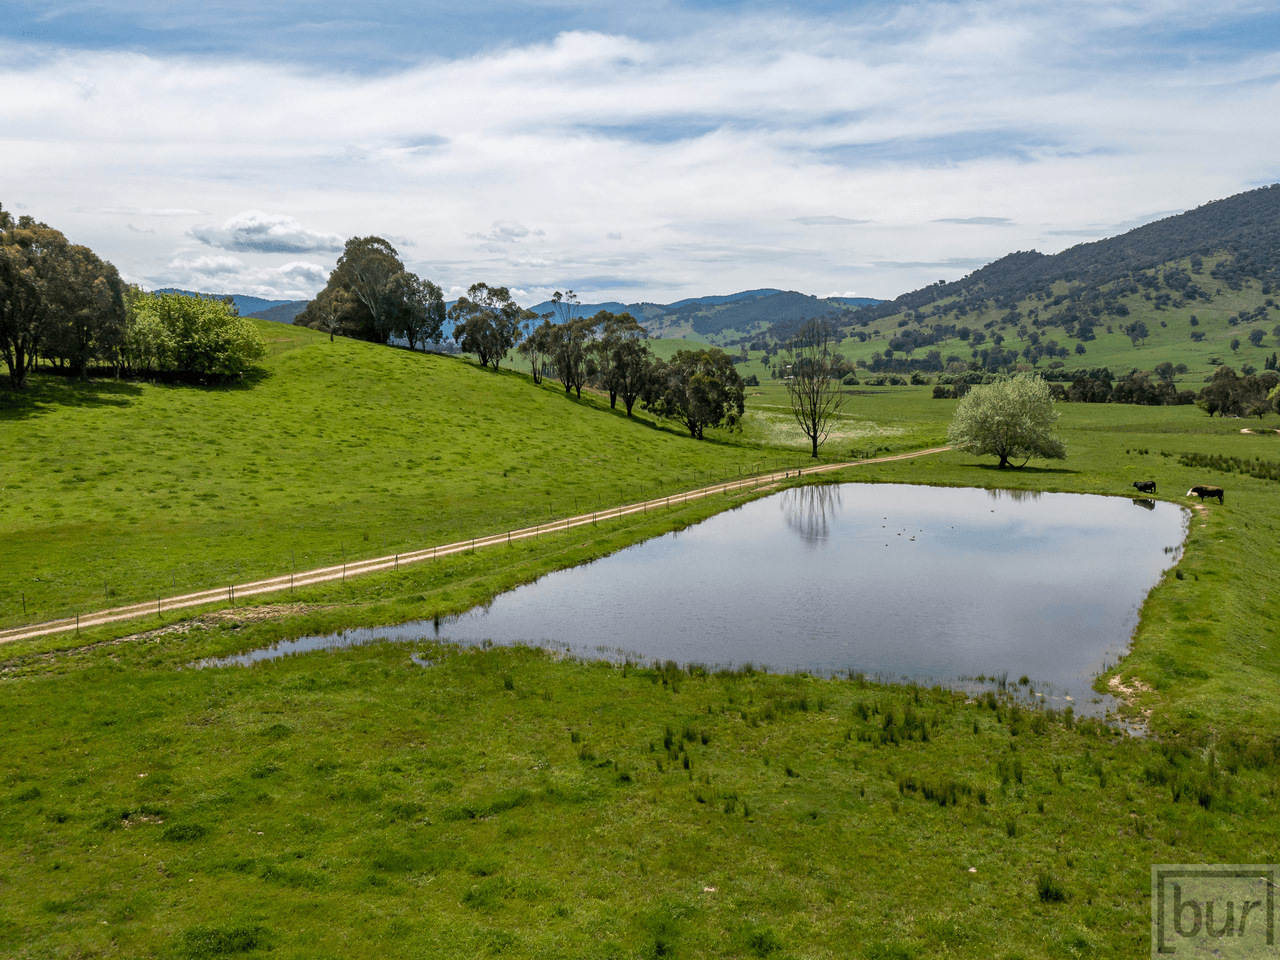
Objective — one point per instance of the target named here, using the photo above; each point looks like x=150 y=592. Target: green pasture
x=512 y=803
x=122 y=491
x=501 y=803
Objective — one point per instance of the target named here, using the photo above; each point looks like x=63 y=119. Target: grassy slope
x=1171 y=342
x=501 y=803
x=121 y=491
x=339 y=788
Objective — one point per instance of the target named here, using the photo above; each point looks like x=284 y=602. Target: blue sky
x=629 y=151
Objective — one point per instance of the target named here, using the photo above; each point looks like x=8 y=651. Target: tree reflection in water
x=1017 y=496
x=809 y=510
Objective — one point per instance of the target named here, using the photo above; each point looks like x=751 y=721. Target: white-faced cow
x=1202 y=492
x=1145 y=486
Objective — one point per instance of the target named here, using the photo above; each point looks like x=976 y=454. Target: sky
x=628 y=151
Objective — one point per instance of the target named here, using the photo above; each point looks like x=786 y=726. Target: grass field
x=507 y=803
x=117 y=492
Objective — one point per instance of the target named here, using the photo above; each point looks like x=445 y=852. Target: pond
x=932 y=584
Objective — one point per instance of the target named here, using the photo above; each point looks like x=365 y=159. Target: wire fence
x=228 y=584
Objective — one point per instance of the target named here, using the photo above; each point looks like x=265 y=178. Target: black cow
x=1145 y=486
x=1202 y=492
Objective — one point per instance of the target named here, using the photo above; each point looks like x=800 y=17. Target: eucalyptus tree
x=57 y=299
x=565 y=306
x=571 y=352
x=331 y=312
x=536 y=346
x=415 y=308
x=487 y=322
x=366 y=269
x=812 y=384
x=623 y=359
x=698 y=388
x=85 y=321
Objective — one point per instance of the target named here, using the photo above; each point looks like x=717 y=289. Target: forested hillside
x=1244 y=229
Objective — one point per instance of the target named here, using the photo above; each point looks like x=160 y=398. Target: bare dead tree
x=811 y=381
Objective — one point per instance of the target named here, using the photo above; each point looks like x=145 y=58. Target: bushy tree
x=487 y=322
x=414 y=308
x=169 y=332
x=366 y=270
x=57 y=300
x=1012 y=420
x=371 y=296
x=1229 y=394
x=698 y=388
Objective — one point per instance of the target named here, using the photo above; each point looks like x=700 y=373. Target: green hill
x=122 y=491
x=1179 y=290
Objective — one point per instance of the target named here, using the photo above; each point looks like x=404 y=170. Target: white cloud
x=710 y=152
x=978 y=221
x=295 y=280
x=828 y=221
x=508 y=231
x=208 y=266
x=269 y=233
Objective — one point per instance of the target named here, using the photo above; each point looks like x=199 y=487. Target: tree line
x=371 y=296
x=63 y=304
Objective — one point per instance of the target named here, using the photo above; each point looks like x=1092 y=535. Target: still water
x=898 y=581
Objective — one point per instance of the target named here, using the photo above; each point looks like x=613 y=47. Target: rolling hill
x=1197 y=288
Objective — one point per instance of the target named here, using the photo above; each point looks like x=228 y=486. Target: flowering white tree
x=1012 y=420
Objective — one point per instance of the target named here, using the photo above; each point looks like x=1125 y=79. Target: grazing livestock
x=1145 y=486
x=1202 y=492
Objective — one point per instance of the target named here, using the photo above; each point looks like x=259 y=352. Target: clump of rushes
x=1048 y=888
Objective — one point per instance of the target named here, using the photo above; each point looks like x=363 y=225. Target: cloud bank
x=266 y=233
x=875 y=150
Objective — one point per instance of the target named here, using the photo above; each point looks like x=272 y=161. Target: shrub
x=169 y=332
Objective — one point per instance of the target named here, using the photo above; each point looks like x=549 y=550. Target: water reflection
x=810 y=510
x=1144 y=503
x=917 y=582
x=1017 y=496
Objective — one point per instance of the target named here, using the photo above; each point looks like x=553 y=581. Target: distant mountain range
x=715 y=319
x=282 y=311
x=718 y=319
x=1246 y=228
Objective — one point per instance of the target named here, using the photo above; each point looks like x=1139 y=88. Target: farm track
x=231 y=593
